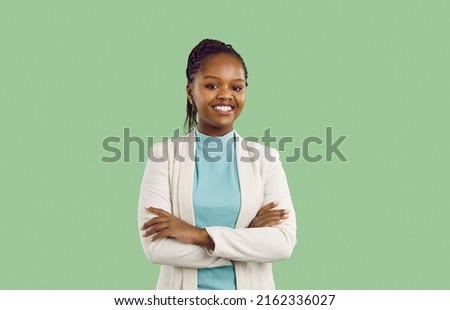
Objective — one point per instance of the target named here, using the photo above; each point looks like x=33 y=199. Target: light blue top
x=216 y=198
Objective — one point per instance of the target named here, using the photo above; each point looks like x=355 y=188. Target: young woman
x=215 y=209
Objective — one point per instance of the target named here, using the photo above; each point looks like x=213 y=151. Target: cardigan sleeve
x=155 y=191
x=262 y=244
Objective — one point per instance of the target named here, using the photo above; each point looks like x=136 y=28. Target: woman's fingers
x=157 y=211
x=269 y=206
x=162 y=216
x=155 y=228
x=273 y=214
x=166 y=225
x=266 y=208
x=280 y=213
x=153 y=221
x=267 y=217
x=161 y=234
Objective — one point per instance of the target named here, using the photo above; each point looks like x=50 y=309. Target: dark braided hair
x=203 y=50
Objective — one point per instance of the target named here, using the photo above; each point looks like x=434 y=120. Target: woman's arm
x=165 y=225
x=263 y=244
x=155 y=192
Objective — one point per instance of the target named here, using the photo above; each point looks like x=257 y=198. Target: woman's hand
x=165 y=225
x=267 y=217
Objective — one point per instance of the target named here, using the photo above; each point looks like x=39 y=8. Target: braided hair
x=203 y=50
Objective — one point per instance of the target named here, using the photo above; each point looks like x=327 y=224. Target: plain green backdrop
x=75 y=72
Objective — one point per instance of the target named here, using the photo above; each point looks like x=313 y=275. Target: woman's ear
x=189 y=92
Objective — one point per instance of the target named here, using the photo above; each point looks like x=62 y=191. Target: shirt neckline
x=203 y=136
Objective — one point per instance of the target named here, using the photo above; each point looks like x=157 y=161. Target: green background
x=75 y=72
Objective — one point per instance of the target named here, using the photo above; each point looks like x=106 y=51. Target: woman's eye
x=237 y=88
x=211 y=86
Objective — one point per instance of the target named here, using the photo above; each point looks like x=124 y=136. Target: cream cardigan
x=168 y=184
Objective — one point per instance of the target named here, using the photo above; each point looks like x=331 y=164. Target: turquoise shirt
x=216 y=198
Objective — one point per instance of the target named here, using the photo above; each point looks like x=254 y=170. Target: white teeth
x=222 y=108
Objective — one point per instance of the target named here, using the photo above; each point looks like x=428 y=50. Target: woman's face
x=218 y=92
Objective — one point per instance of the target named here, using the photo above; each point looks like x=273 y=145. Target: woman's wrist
x=203 y=239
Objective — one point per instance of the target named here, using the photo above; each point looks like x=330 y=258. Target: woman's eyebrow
x=215 y=77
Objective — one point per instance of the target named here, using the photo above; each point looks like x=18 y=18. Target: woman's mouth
x=223 y=109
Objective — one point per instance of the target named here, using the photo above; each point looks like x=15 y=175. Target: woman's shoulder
x=169 y=147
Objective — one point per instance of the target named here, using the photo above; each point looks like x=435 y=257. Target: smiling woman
x=218 y=94
x=215 y=222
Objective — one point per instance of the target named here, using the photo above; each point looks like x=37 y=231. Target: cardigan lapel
x=248 y=191
x=184 y=189
x=186 y=178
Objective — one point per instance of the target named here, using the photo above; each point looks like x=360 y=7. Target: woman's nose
x=224 y=94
